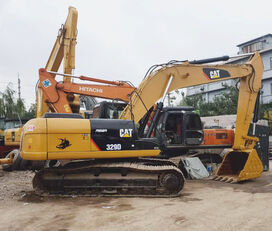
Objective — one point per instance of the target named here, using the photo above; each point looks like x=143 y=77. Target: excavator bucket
x=239 y=166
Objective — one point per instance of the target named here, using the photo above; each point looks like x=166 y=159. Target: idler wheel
x=170 y=182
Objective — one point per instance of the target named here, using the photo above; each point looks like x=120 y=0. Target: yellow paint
x=12 y=136
x=66 y=107
x=77 y=143
x=251 y=169
x=34 y=143
x=68 y=126
x=103 y=154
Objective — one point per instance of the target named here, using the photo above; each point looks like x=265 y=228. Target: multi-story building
x=262 y=44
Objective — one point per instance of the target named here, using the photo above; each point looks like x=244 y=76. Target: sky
x=121 y=39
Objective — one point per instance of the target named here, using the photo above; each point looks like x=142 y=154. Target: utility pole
x=19 y=86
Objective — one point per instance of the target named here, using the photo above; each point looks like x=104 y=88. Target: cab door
x=192 y=129
x=169 y=128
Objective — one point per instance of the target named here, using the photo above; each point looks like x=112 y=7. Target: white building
x=262 y=44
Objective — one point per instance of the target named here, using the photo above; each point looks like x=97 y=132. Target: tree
x=227 y=103
x=2 y=107
x=20 y=108
x=8 y=102
x=31 y=112
x=222 y=105
x=12 y=108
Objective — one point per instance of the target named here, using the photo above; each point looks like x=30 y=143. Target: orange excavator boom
x=56 y=93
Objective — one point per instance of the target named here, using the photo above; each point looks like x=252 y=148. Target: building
x=262 y=44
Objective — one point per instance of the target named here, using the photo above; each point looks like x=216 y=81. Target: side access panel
x=67 y=136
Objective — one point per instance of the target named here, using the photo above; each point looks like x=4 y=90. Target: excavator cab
x=178 y=129
x=108 y=110
x=182 y=128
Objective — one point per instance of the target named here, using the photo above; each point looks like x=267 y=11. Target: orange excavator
x=57 y=94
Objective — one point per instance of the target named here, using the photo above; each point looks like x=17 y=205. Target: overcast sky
x=121 y=39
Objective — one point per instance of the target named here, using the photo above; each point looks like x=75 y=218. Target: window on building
x=270 y=62
x=259 y=46
x=245 y=49
x=270 y=87
x=253 y=47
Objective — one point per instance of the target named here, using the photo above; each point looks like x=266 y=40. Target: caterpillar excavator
x=107 y=156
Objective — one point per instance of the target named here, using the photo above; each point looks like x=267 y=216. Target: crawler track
x=141 y=177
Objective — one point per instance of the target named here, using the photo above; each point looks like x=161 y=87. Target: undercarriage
x=137 y=177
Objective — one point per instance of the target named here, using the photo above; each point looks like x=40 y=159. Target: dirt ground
x=203 y=205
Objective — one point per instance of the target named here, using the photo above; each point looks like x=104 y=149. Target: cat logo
x=215 y=74
x=126 y=133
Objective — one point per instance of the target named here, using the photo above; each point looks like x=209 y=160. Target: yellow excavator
x=63 y=49
x=107 y=156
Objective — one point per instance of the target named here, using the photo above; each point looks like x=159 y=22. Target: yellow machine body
x=1 y=136
x=42 y=138
x=13 y=136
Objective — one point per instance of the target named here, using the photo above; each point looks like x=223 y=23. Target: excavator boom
x=242 y=162
x=64 y=49
x=187 y=75
x=55 y=93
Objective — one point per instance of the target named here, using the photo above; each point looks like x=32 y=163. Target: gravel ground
x=203 y=205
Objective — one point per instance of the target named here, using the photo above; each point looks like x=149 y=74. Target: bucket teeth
x=229 y=180
x=234 y=181
x=226 y=179
x=214 y=178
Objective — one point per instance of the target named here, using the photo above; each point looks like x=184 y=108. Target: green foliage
x=31 y=112
x=222 y=105
x=227 y=103
x=12 y=108
x=265 y=111
x=8 y=101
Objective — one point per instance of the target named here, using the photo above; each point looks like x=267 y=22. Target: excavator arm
x=64 y=49
x=187 y=75
x=242 y=162
x=56 y=94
